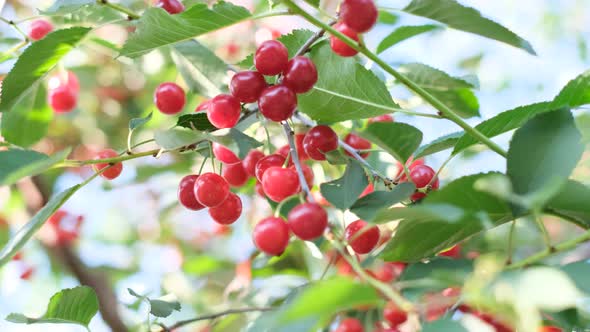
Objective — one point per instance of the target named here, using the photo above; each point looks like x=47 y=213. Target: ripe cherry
x=300 y=75
x=421 y=175
x=224 y=111
x=299 y=146
x=171 y=6
x=279 y=183
x=186 y=193
x=368 y=189
x=235 y=174
x=269 y=161
x=452 y=252
x=318 y=141
x=27 y=273
x=358 y=143
x=410 y=163
x=228 y=211
x=169 y=98
x=550 y=329
x=211 y=189
x=65 y=227
x=39 y=29
x=62 y=99
x=259 y=189
x=114 y=171
x=224 y=154
x=271 y=58
x=251 y=160
x=308 y=221
x=394 y=315
x=246 y=86
x=285 y=151
x=271 y=236
x=203 y=106
x=68 y=79
x=338 y=46
x=350 y=325
x=361 y=236
x=359 y=15
x=277 y=103
x=381 y=118
x=307 y=174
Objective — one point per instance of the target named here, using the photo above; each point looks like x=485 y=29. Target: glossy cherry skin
x=39 y=29
x=271 y=58
x=421 y=175
x=271 y=236
x=300 y=75
x=171 y=6
x=359 y=15
x=224 y=154
x=186 y=193
x=247 y=86
x=224 y=111
x=251 y=160
x=394 y=315
x=169 y=98
x=211 y=189
x=452 y=252
x=277 y=103
x=307 y=174
x=113 y=171
x=318 y=141
x=62 y=99
x=235 y=174
x=368 y=189
x=358 y=143
x=269 y=161
x=308 y=221
x=350 y=325
x=228 y=211
x=279 y=183
x=68 y=79
x=203 y=106
x=259 y=189
x=338 y=46
x=361 y=236
x=299 y=146
x=381 y=118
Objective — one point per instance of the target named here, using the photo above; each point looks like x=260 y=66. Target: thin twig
x=295 y=158
x=213 y=316
x=510 y=243
x=305 y=47
x=130 y=14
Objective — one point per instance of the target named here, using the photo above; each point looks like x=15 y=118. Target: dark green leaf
x=572 y=201
x=368 y=207
x=198 y=121
x=138 y=122
x=236 y=141
x=402 y=33
x=161 y=308
x=468 y=19
x=398 y=139
x=157 y=28
x=178 y=137
x=579 y=272
x=17 y=164
x=343 y=192
x=69 y=306
x=444 y=325
x=345 y=90
x=292 y=41
x=439 y=272
x=29 y=120
x=440 y=144
x=36 y=61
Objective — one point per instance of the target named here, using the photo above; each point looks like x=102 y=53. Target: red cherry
x=308 y=221
x=269 y=161
x=359 y=15
x=224 y=111
x=394 y=315
x=169 y=98
x=550 y=329
x=251 y=160
x=410 y=163
x=235 y=174
x=18 y=256
x=39 y=29
x=65 y=226
x=350 y=325
x=307 y=174
x=338 y=46
x=277 y=103
x=62 y=99
x=318 y=141
x=68 y=79
x=271 y=236
x=368 y=189
x=203 y=106
x=299 y=146
x=259 y=189
x=186 y=193
x=361 y=236
x=221 y=230
x=271 y=58
x=211 y=189
x=381 y=118
x=452 y=252
x=421 y=175
x=224 y=154
x=27 y=273
x=171 y=6
x=300 y=75
x=279 y=183
x=246 y=86
x=113 y=171
x=228 y=211
x=358 y=143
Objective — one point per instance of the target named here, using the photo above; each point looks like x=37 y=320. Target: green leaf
x=440 y=144
x=398 y=139
x=36 y=61
x=198 y=121
x=29 y=120
x=444 y=325
x=438 y=273
x=572 y=201
x=178 y=137
x=200 y=68
x=452 y=91
x=292 y=41
x=161 y=307
x=575 y=93
x=17 y=164
x=237 y=141
x=387 y=18
x=368 y=207
x=578 y=272
x=157 y=28
x=27 y=231
x=343 y=192
x=138 y=122
x=402 y=33
x=543 y=151
x=468 y=19
x=345 y=90
x=61 y=7
x=69 y=306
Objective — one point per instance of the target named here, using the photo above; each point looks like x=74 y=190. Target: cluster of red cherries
x=356 y=16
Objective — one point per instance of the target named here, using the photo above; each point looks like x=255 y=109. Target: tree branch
x=295 y=157
x=213 y=316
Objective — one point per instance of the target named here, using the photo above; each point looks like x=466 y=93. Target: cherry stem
x=213 y=316
x=130 y=14
x=510 y=249
x=305 y=47
x=543 y=229
x=295 y=157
